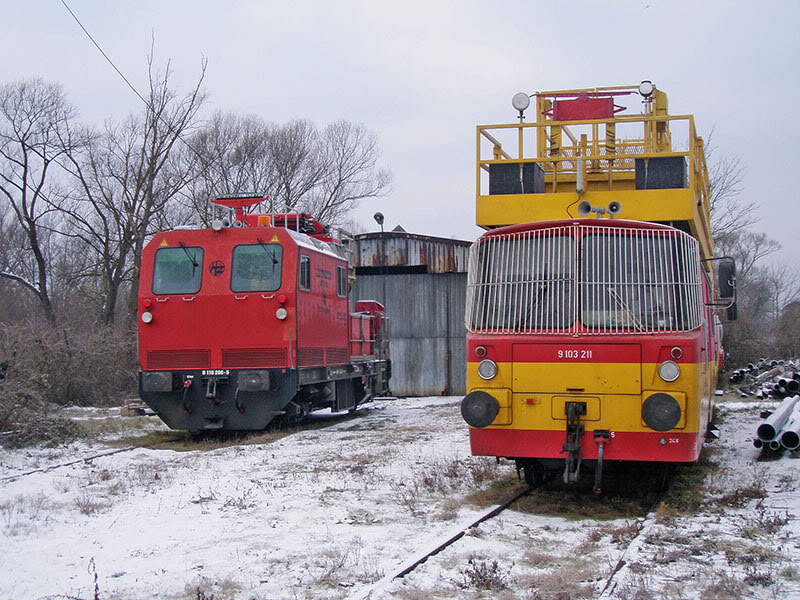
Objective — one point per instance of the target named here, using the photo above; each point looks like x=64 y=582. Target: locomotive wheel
x=664 y=476
x=535 y=474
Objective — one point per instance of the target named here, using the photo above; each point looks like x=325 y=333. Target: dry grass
x=484 y=574
x=620 y=535
x=499 y=491
x=540 y=560
x=186 y=442
x=571 y=502
x=204 y=588
x=89 y=504
x=338 y=565
x=97 y=428
x=687 y=490
x=721 y=586
x=441 y=477
x=21 y=514
x=762 y=522
x=566 y=582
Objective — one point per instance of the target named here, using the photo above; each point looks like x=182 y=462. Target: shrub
x=67 y=366
x=43 y=368
x=26 y=419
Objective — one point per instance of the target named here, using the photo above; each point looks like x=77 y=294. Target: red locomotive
x=245 y=322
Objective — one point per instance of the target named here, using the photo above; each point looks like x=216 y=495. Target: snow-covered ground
x=334 y=512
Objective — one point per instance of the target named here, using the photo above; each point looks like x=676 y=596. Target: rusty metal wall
x=394 y=249
x=427 y=338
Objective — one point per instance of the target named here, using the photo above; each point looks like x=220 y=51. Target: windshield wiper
x=624 y=306
x=191 y=258
x=270 y=252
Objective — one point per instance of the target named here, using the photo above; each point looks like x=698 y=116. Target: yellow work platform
x=585 y=157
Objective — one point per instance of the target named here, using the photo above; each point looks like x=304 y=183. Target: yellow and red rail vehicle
x=250 y=319
x=591 y=302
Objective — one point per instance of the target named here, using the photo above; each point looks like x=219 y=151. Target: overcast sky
x=423 y=74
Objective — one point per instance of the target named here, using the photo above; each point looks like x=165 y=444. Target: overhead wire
x=150 y=107
x=111 y=62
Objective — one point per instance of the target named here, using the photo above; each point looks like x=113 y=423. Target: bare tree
x=297 y=166
x=126 y=178
x=349 y=156
x=787 y=330
x=747 y=248
x=36 y=132
x=783 y=284
x=294 y=152
x=15 y=258
x=730 y=212
x=234 y=158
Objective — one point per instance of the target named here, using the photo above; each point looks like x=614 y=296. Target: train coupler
x=572 y=444
x=211 y=384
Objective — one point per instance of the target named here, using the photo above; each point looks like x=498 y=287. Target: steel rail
x=411 y=564
x=86 y=459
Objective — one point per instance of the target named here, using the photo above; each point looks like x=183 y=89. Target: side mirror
x=726 y=272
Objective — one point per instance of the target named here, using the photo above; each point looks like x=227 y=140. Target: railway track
x=320 y=421
x=85 y=459
x=604 y=588
x=609 y=584
x=412 y=563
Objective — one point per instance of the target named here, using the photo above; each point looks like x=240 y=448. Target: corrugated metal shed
x=422 y=281
x=401 y=249
x=425 y=325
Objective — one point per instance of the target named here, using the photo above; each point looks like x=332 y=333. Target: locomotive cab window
x=341 y=282
x=305 y=273
x=256 y=268
x=522 y=282
x=178 y=270
x=639 y=281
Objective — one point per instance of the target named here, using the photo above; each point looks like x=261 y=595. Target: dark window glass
x=341 y=282
x=178 y=270
x=640 y=282
x=256 y=268
x=305 y=273
x=523 y=283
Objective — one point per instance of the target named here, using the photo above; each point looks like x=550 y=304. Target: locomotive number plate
x=213 y=372
x=573 y=354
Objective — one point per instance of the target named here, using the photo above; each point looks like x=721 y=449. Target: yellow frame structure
x=600 y=162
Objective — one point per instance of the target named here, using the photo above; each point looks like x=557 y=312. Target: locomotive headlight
x=147 y=316
x=254 y=381
x=669 y=370
x=487 y=369
x=281 y=313
x=157 y=381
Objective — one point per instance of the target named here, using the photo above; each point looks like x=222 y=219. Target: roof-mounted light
x=646 y=88
x=521 y=101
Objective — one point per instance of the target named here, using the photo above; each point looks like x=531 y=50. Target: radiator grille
x=307 y=357
x=253 y=357
x=178 y=359
x=337 y=356
x=584 y=279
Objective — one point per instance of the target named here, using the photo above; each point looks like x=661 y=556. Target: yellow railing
x=597 y=151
